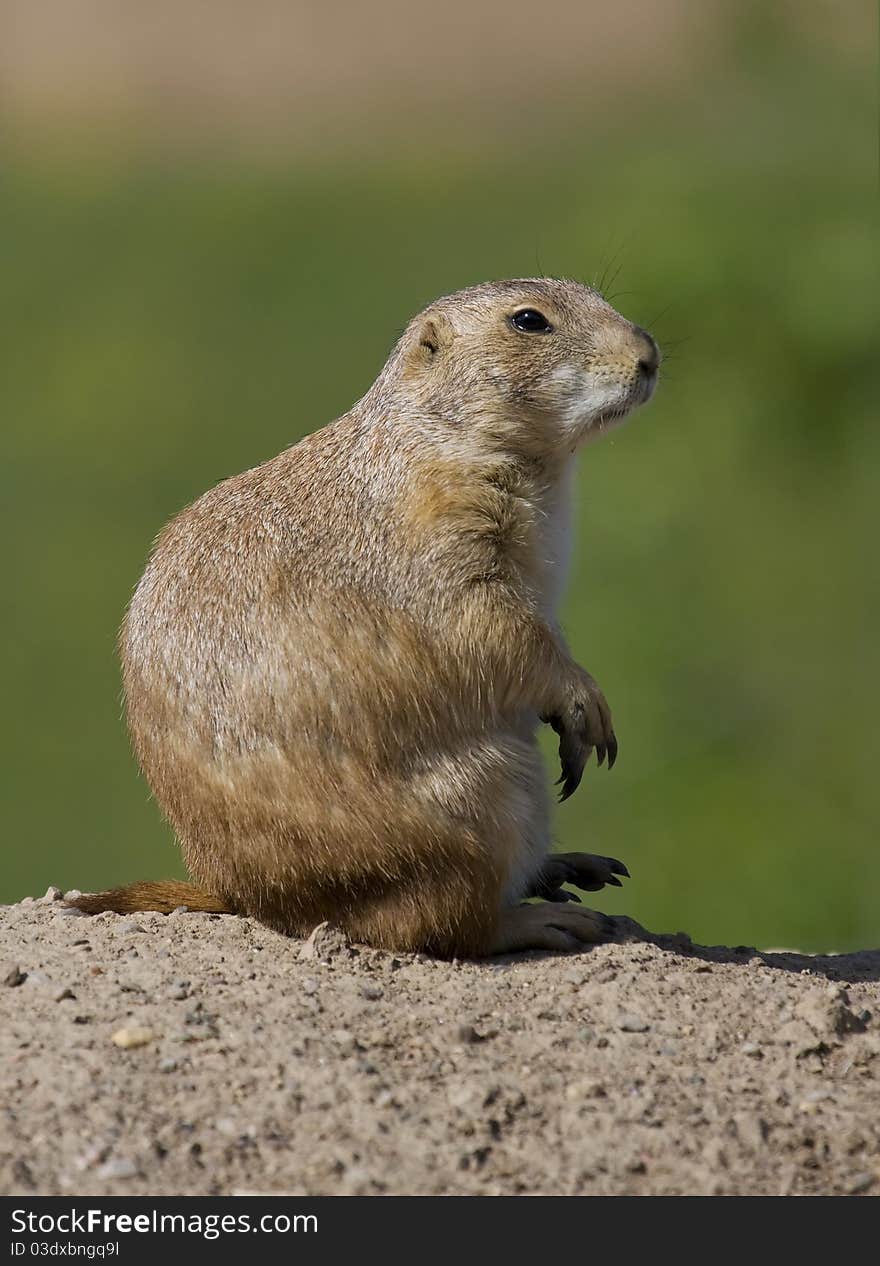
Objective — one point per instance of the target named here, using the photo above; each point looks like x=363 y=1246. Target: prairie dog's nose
x=649 y=352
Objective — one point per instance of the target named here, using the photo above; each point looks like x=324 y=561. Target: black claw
x=570 y=779
x=562 y=894
x=615 y=883
x=617 y=867
x=612 y=751
x=600 y=754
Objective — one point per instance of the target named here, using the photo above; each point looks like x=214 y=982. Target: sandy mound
x=204 y=1054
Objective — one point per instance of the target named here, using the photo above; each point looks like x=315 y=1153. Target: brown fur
x=334 y=663
x=162 y=897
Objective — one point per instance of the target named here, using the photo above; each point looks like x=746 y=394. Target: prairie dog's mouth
x=639 y=393
x=593 y=402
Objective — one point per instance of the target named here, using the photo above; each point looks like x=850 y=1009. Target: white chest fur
x=553 y=525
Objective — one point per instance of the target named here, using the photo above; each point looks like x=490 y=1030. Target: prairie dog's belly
x=527 y=794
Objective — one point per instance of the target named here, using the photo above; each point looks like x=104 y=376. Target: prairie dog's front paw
x=550 y=925
x=582 y=724
x=588 y=871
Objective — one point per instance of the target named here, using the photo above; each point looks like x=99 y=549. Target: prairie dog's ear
x=431 y=337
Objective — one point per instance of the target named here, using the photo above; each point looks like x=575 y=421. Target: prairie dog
x=335 y=664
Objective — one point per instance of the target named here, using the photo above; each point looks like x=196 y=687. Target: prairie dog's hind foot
x=550 y=925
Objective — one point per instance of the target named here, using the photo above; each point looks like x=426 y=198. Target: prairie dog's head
x=538 y=365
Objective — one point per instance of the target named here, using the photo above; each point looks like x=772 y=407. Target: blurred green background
x=181 y=300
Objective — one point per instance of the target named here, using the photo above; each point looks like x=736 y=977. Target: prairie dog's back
x=291 y=620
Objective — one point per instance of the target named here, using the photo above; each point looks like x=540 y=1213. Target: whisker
x=607 y=277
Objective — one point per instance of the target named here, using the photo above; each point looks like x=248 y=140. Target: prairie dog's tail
x=163 y=897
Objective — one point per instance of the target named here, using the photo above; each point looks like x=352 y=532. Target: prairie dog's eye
x=531 y=321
